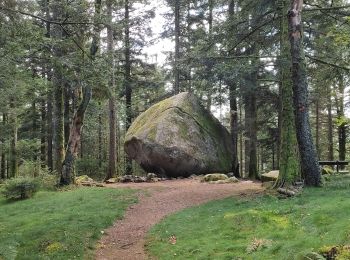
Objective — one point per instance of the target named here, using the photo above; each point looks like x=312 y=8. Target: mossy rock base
x=178 y=137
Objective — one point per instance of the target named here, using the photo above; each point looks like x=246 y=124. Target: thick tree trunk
x=128 y=89
x=58 y=115
x=289 y=166
x=67 y=176
x=309 y=164
x=330 y=156
x=177 y=48
x=250 y=153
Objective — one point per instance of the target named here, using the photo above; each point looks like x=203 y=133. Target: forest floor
x=126 y=238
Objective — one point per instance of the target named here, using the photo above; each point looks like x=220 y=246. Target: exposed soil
x=125 y=239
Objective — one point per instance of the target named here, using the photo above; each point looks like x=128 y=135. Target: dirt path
x=125 y=239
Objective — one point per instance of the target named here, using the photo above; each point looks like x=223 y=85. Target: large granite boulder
x=178 y=137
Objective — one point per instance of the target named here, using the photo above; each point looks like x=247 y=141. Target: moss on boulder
x=178 y=137
x=270 y=176
x=83 y=178
x=327 y=171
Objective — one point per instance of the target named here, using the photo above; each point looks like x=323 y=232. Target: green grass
x=232 y=228
x=59 y=225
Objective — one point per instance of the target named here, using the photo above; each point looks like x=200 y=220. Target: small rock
x=214 y=177
x=112 y=180
x=151 y=175
x=230 y=174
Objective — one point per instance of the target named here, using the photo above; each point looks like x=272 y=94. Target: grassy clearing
x=59 y=225
x=258 y=228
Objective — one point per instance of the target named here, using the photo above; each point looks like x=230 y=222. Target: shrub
x=20 y=188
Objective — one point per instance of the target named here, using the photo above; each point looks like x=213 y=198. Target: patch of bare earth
x=125 y=239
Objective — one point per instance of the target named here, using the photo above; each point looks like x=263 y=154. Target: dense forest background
x=67 y=63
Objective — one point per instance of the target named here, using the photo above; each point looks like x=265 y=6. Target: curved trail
x=125 y=239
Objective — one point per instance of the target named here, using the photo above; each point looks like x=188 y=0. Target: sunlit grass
x=264 y=227
x=59 y=225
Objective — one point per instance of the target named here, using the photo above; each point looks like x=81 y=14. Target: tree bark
x=43 y=132
x=233 y=104
x=253 y=160
x=13 y=144
x=3 y=153
x=342 y=122
x=67 y=176
x=67 y=96
x=49 y=115
x=309 y=164
x=289 y=167
x=330 y=126
x=317 y=124
x=100 y=137
x=128 y=89
x=177 y=48
x=111 y=102
x=58 y=115
x=49 y=131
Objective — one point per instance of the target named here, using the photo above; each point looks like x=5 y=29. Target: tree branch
x=327 y=63
x=44 y=19
x=325 y=8
x=252 y=32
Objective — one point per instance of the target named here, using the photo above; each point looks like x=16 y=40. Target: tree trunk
x=309 y=164
x=67 y=176
x=67 y=96
x=330 y=126
x=177 y=48
x=241 y=140
x=58 y=115
x=128 y=89
x=100 y=138
x=43 y=133
x=253 y=160
x=49 y=115
x=342 y=124
x=234 y=128
x=289 y=166
x=49 y=131
x=111 y=102
x=233 y=102
x=317 y=124
x=3 y=153
x=13 y=145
